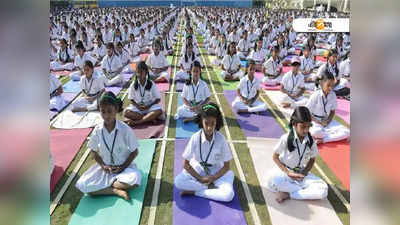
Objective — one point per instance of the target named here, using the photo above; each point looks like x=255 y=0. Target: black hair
x=209 y=109
x=109 y=98
x=66 y=51
x=194 y=64
x=301 y=114
x=79 y=45
x=304 y=49
x=324 y=77
x=229 y=51
x=89 y=64
x=143 y=66
x=249 y=62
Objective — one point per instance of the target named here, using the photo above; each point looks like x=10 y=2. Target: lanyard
x=109 y=63
x=203 y=163
x=294 y=84
x=108 y=148
x=90 y=86
x=195 y=93
x=144 y=91
x=298 y=151
x=249 y=89
x=324 y=102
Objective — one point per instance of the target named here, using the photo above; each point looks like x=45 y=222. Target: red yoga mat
x=337 y=156
x=64 y=144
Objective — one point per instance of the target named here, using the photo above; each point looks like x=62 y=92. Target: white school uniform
x=320 y=107
x=248 y=89
x=111 y=65
x=293 y=84
x=311 y=187
x=133 y=49
x=335 y=71
x=182 y=74
x=243 y=47
x=231 y=63
x=195 y=94
x=79 y=62
x=344 y=71
x=220 y=153
x=143 y=43
x=258 y=56
x=220 y=52
x=272 y=67
x=158 y=61
x=108 y=36
x=56 y=102
x=95 y=178
x=125 y=58
x=62 y=56
x=91 y=87
x=144 y=97
x=100 y=52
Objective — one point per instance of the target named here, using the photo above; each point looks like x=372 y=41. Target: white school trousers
x=76 y=76
x=117 y=80
x=57 y=103
x=184 y=112
x=164 y=74
x=242 y=56
x=333 y=132
x=300 y=101
x=238 y=75
x=310 y=188
x=56 y=66
x=181 y=75
x=272 y=81
x=143 y=112
x=84 y=103
x=223 y=191
x=257 y=106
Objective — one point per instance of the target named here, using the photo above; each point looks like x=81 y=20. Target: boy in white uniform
x=206 y=171
x=157 y=63
x=248 y=92
x=244 y=46
x=294 y=156
x=112 y=67
x=272 y=69
x=231 y=64
x=292 y=85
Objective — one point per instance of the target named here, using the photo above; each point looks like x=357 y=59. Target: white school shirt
x=233 y=37
x=133 y=48
x=322 y=69
x=222 y=49
x=142 y=95
x=272 y=66
x=111 y=64
x=80 y=61
x=220 y=153
x=292 y=36
x=100 y=52
x=125 y=143
x=142 y=41
x=244 y=45
x=248 y=89
x=344 y=68
x=231 y=62
x=156 y=61
x=214 y=42
x=291 y=159
x=306 y=63
x=291 y=83
x=54 y=83
x=201 y=90
x=88 y=44
x=321 y=105
x=92 y=86
x=124 y=56
x=63 y=54
x=187 y=65
x=107 y=36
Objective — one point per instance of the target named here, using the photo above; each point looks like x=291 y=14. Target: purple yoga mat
x=199 y=211
x=150 y=130
x=253 y=125
x=115 y=90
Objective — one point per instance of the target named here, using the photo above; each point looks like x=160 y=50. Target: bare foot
x=282 y=196
x=319 y=141
x=130 y=123
x=185 y=193
x=285 y=104
x=122 y=194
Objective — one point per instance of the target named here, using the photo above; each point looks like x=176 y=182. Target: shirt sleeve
x=148 y=61
x=314 y=150
x=207 y=93
x=281 y=146
x=94 y=141
x=131 y=94
x=310 y=103
x=131 y=140
x=165 y=62
x=154 y=92
x=226 y=151
x=188 y=153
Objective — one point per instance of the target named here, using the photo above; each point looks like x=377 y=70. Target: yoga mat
x=199 y=211
x=61 y=73
x=184 y=130
x=337 y=156
x=255 y=125
x=106 y=210
x=114 y=90
x=144 y=56
x=68 y=97
x=343 y=110
x=286 y=69
x=52 y=114
x=163 y=87
x=127 y=76
x=150 y=130
x=64 y=144
x=291 y=211
x=243 y=63
x=226 y=85
x=260 y=76
x=321 y=58
x=275 y=96
x=71 y=86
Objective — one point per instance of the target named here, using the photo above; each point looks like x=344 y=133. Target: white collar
x=305 y=139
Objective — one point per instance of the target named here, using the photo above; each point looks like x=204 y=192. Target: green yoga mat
x=106 y=210
x=226 y=85
x=169 y=59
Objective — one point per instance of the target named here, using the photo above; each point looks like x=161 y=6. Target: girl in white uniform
x=112 y=67
x=272 y=69
x=157 y=63
x=344 y=68
x=133 y=49
x=143 y=42
x=322 y=105
x=221 y=50
x=80 y=60
x=99 y=50
x=244 y=46
x=292 y=85
x=207 y=156
x=144 y=97
x=294 y=156
x=195 y=94
x=114 y=146
x=258 y=54
x=231 y=65
x=64 y=58
x=124 y=58
x=248 y=92
x=185 y=63
x=92 y=88
x=57 y=101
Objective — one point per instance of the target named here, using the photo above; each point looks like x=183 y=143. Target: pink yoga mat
x=260 y=76
x=61 y=73
x=64 y=144
x=343 y=109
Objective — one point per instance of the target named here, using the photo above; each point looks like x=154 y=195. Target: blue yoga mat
x=184 y=130
x=243 y=63
x=71 y=87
